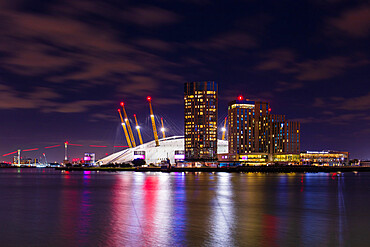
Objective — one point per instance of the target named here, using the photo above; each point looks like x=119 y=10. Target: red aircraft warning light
x=240 y=97
x=122 y=104
x=149 y=98
x=269 y=109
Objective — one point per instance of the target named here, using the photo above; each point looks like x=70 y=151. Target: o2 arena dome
x=170 y=147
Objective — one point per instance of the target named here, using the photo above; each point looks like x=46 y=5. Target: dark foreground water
x=43 y=207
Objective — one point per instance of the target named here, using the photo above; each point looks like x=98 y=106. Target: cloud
x=354 y=22
x=155 y=44
x=356 y=103
x=61 y=47
x=150 y=16
x=312 y=70
x=279 y=59
x=43 y=99
x=337 y=119
x=76 y=106
x=359 y=103
x=288 y=86
x=228 y=40
x=286 y=62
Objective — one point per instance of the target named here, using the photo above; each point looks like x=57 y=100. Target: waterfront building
x=200 y=121
x=324 y=158
x=171 y=148
x=284 y=135
x=258 y=137
x=248 y=126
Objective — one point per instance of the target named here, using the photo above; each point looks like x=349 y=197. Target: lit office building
x=200 y=121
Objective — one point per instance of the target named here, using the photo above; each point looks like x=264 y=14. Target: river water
x=44 y=207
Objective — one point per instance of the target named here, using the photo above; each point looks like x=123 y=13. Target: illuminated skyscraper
x=200 y=110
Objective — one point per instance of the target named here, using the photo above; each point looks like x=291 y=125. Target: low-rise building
x=324 y=158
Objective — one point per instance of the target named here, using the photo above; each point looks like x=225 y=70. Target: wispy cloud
x=43 y=99
x=353 y=22
x=226 y=41
x=359 y=103
x=150 y=16
x=62 y=47
x=285 y=61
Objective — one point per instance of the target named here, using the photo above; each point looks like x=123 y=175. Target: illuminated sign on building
x=139 y=155
x=89 y=157
x=179 y=154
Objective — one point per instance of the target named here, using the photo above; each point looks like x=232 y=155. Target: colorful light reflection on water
x=43 y=207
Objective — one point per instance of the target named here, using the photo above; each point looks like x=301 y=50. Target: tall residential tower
x=252 y=129
x=200 y=110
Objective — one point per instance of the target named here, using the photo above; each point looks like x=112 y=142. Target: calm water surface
x=44 y=207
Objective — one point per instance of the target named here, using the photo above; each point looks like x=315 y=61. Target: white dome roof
x=153 y=154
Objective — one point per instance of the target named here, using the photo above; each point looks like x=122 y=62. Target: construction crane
x=162 y=129
x=153 y=122
x=224 y=130
x=128 y=125
x=124 y=129
x=138 y=130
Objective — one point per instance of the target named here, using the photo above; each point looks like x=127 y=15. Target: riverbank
x=280 y=169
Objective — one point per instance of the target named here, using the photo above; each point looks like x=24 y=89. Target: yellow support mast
x=138 y=130
x=224 y=130
x=153 y=122
x=163 y=133
x=128 y=125
x=124 y=129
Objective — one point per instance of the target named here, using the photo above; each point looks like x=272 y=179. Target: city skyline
x=65 y=66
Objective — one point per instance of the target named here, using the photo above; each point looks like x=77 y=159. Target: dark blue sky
x=66 y=65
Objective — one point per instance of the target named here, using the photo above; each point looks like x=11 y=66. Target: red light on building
x=118 y=110
x=134 y=115
x=149 y=98
x=269 y=109
x=240 y=97
x=122 y=104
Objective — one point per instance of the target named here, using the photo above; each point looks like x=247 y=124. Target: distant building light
x=317 y=152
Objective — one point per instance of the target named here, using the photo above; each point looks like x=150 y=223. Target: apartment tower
x=200 y=108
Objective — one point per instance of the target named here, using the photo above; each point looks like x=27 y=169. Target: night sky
x=66 y=65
